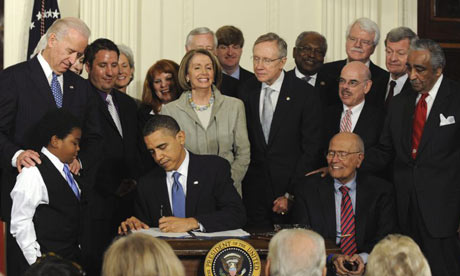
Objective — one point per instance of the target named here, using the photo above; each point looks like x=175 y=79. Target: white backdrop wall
x=156 y=29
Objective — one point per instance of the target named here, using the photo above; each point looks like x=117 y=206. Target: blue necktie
x=178 y=197
x=56 y=89
x=71 y=182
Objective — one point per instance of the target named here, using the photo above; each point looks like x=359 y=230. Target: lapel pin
x=322 y=83
x=288 y=98
x=71 y=87
x=195 y=182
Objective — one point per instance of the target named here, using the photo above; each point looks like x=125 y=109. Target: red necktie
x=347 y=224
x=419 y=123
x=390 y=93
x=345 y=125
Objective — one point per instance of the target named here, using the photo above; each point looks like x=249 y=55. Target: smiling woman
x=213 y=123
x=126 y=68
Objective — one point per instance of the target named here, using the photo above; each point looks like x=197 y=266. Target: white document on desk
x=156 y=232
x=237 y=233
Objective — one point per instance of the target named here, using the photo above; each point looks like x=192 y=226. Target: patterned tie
x=419 y=123
x=347 y=224
x=178 y=197
x=267 y=113
x=306 y=78
x=71 y=182
x=391 y=93
x=345 y=124
x=113 y=112
x=56 y=89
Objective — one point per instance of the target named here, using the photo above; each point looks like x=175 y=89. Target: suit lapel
x=193 y=186
x=326 y=193
x=163 y=194
x=69 y=90
x=408 y=118
x=105 y=111
x=433 y=120
x=361 y=209
x=282 y=108
x=39 y=78
x=361 y=123
x=254 y=101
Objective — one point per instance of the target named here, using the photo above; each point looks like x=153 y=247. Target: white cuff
x=15 y=157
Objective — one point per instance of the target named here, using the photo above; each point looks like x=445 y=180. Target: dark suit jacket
x=375 y=215
x=120 y=158
x=376 y=95
x=211 y=197
x=368 y=126
x=327 y=96
x=407 y=87
x=230 y=85
x=294 y=141
x=434 y=176
x=25 y=96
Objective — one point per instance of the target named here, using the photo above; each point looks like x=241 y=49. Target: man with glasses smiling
x=354 y=113
x=284 y=127
x=362 y=37
x=353 y=208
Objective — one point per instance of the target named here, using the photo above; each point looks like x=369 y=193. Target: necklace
x=200 y=108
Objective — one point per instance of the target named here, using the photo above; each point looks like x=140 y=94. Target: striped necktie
x=347 y=224
x=345 y=124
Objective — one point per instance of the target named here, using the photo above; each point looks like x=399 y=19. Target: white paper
x=237 y=233
x=157 y=233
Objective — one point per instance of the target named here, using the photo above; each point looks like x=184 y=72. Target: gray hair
x=400 y=33
x=125 y=50
x=282 y=45
x=41 y=45
x=397 y=255
x=297 y=252
x=61 y=26
x=438 y=60
x=302 y=35
x=198 y=31
x=368 y=26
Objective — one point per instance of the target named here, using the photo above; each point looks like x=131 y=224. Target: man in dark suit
x=27 y=91
x=324 y=204
x=111 y=198
x=421 y=137
x=284 y=127
x=188 y=191
x=354 y=114
x=362 y=37
x=397 y=44
x=309 y=51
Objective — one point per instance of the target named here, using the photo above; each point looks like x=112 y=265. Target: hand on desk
x=174 y=224
x=131 y=223
x=338 y=261
x=324 y=171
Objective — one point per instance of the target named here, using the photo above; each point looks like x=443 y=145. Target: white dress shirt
x=276 y=86
x=49 y=76
x=28 y=193
x=312 y=80
x=235 y=74
x=399 y=85
x=355 y=112
x=338 y=201
x=431 y=95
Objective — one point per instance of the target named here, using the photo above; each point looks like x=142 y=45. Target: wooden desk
x=192 y=252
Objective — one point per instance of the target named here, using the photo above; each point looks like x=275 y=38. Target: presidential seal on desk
x=232 y=257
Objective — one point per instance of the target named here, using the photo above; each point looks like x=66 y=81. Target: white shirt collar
x=300 y=76
x=183 y=168
x=54 y=159
x=45 y=66
x=277 y=84
x=367 y=63
x=355 y=109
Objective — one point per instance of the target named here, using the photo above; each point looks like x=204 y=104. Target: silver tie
x=113 y=112
x=267 y=112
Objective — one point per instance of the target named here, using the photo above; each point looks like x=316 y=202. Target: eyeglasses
x=265 y=61
x=351 y=83
x=342 y=155
x=309 y=50
x=367 y=43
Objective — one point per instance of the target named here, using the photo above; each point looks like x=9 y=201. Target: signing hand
x=324 y=171
x=174 y=224
x=131 y=223
x=27 y=158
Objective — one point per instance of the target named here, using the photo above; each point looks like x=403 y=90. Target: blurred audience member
x=141 y=254
x=296 y=252
x=53 y=265
x=397 y=255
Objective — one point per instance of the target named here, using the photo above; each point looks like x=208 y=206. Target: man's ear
x=181 y=137
x=368 y=86
x=87 y=67
x=54 y=141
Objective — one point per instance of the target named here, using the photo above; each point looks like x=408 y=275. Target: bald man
x=353 y=208
x=354 y=114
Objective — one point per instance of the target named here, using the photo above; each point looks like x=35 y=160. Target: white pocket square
x=446 y=121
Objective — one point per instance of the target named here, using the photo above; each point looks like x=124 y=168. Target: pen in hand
x=161 y=211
